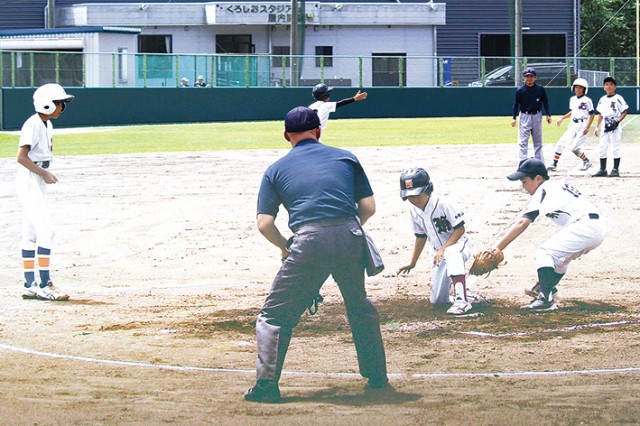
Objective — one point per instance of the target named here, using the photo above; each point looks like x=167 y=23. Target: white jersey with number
x=581 y=107
x=323 y=109
x=39 y=136
x=612 y=106
x=560 y=202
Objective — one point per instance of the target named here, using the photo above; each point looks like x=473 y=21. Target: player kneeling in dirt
x=440 y=221
x=582 y=229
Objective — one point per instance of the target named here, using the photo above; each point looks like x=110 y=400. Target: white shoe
x=50 y=292
x=475 y=298
x=542 y=304
x=586 y=165
x=459 y=307
x=31 y=291
x=551 y=168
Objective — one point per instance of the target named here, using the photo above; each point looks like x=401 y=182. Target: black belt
x=530 y=112
x=594 y=216
x=43 y=164
x=578 y=120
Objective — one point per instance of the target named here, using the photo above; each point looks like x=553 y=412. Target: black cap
x=609 y=80
x=530 y=167
x=529 y=71
x=301 y=119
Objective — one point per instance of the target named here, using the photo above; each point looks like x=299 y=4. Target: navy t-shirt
x=530 y=99
x=314 y=182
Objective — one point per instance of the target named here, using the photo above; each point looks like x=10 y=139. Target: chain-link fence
x=76 y=69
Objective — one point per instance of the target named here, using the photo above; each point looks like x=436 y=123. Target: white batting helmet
x=46 y=96
x=580 y=82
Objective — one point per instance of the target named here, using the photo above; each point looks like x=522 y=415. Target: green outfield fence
x=114 y=70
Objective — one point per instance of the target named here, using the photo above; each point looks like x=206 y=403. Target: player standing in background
x=613 y=108
x=321 y=92
x=439 y=221
x=582 y=229
x=530 y=98
x=34 y=157
x=582 y=114
x=327 y=194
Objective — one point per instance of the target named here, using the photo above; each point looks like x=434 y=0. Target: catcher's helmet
x=415 y=181
x=580 y=82
x=48 y=95
x=321 y=91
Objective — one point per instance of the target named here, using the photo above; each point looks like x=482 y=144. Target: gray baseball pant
x=530 y=125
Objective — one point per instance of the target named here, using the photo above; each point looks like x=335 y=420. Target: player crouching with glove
x=581 y=231
x=441 y=222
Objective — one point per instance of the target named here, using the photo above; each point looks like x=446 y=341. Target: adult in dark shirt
x=328 y=196
x=529 y=100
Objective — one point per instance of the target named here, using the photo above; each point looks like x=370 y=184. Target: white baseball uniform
x=611 y=107
x=37 y=225
x=440 y=217
x=581 y=109
x=582 y=229
x=323 y=109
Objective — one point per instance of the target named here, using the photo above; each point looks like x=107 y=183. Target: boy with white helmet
x=440 y=221
x=34 y=157
x=582 y=113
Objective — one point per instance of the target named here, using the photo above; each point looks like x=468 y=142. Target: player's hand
x=360 y=96
x=559 y=122
x=597 y=132
x=586 y=131
x=513 y=123
x=405 y=269
x=49 y=177
x=437 y=258
x=549 y=119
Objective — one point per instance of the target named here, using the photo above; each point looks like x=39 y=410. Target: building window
x=155 y=44
x=281 y=52
x=234 y=43
x=324 y=56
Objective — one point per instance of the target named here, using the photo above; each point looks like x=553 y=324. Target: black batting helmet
x=415 y=181
x=321 y=91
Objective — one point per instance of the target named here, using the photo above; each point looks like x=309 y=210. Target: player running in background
x=582 y=114
x=612 y=107
x=321 y=92
x=581 y=231
x=34 y=157
x=530 y=98
x=439 y=221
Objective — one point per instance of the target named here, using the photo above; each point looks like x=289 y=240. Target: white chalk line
x=139 y=364
x=315 y=373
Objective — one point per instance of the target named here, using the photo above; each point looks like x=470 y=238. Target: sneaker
x=263 y=391
x=614 y=173
x=378 y=383
x=542 y=304
x=535 y=290
x=50 y=292
x=30 y=291
x=586 y=165
x=473 y=297
x=459 y=307
x=601 y=173
x=552 y=168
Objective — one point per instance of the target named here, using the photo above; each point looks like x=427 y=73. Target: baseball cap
x=529 y=71
x=301 y=119
x=529 y=167
x=609 y=80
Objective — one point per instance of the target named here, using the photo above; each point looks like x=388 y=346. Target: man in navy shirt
x=529 y=100
x=328 y=196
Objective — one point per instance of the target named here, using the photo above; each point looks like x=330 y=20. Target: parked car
x=548 y=73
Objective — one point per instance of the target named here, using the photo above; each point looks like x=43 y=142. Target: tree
x=605 y=33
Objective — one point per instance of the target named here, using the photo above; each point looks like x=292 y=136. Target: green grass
x=268 y=135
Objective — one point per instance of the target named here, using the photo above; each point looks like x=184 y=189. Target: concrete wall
x=122 y=106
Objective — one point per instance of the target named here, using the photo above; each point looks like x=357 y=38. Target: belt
x=594 y=216
x=578 y=120
x=43 y=164
x=530 y=112
x=323 y=222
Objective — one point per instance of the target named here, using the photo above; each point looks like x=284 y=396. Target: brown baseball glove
x=486 y=262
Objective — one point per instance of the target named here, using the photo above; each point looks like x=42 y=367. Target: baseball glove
x=486 y=262
x=610 y=124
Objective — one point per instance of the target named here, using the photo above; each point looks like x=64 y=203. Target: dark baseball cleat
x=263 y=391
x=382 y=383
x=535 y=290
x=614 y=173
x=601 y=173
x=541 y=304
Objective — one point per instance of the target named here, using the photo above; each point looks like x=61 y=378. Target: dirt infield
x=167 y=273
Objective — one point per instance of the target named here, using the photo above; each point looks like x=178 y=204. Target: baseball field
x=156 y=244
